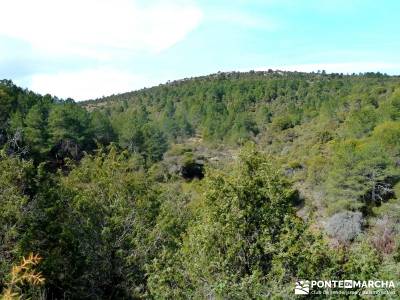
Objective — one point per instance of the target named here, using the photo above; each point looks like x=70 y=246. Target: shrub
x=384 y=236
x=344 y=226
x=282 y=123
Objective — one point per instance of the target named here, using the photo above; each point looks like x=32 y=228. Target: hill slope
x=318 y=125
x=208 y=175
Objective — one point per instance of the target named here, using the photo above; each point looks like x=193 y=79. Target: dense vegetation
x=227 y=186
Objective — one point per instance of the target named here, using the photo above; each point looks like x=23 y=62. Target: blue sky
x=87 y=49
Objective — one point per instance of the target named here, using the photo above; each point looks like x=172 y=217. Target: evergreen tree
x=36 y=129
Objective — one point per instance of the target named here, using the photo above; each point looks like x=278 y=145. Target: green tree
x=388 y=135
x=69 y=121
x=154 y=143
x=164 y=271
x=15 y=180
x=357 y=172
x=101 y=128
x=233 y=240
x=6 y=105
x=36 y=129
x=91 y=228
x=360 y=122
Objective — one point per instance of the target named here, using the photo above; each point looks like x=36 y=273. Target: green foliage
x=165 y=277
x=390 y=109
x=101 y=128
x=121 y=221
x=356 y=173
x=139 y=134
x=283 y=122
x=363 y=262
x=15 y=181
x=360 y=122
x=6 y=101
x=36 y=133
x=68 y=121
x=97 y=219
x=228 y=250
x=388 y=135
x=154 y=143
x=301 y=253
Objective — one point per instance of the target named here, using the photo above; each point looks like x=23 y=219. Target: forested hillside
x=227 y=186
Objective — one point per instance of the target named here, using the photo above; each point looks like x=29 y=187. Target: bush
x=384 y=235
x=344 y=226
x=283 y=123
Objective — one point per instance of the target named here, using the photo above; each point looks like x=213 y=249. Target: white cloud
x=352 y=67
x=87 y=84
x=95 y=28
x=99 y=32
x=245 y=20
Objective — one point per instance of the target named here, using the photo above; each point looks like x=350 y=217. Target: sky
x=86 y=49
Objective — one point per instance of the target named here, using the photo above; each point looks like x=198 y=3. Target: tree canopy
x=227 y=186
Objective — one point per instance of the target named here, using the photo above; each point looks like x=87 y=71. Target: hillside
x=306 y=121
x=247 y=181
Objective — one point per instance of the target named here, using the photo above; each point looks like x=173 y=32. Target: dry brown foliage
x=23 y=274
